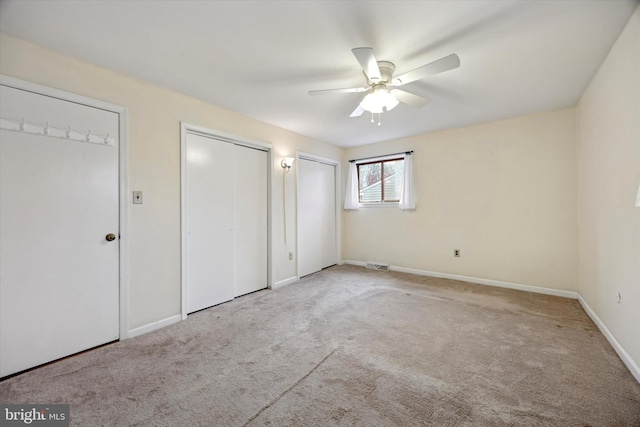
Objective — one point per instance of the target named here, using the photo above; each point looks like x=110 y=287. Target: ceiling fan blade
x=443 y=64
x=329 y=91
x=409 y=98
x=357 y=112
x=368 y=62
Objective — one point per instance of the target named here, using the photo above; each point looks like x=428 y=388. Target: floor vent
x=376 y=266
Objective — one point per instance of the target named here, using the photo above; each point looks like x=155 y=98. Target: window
x=380 y=181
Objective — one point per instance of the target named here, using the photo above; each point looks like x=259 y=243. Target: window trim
x=381 y=160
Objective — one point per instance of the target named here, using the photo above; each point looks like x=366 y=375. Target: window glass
x=380 y=181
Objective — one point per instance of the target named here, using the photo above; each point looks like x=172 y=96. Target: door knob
x=110 y=237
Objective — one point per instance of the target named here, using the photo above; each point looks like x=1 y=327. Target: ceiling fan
x=380 y=79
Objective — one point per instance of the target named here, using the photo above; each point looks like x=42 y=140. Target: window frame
x=382 y=161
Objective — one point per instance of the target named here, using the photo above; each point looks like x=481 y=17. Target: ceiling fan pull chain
x=371 y=117
x=379 y=121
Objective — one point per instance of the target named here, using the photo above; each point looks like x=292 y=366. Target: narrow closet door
x=316 y=216
x=327 y=225
x=209 y=222
x=250 y=213
x=309 y=214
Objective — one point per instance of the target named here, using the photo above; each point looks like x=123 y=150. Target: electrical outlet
x=456 y=253
x=137 y=197
x=290 y=256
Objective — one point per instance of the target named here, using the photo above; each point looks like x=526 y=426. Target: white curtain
x=351 y=195
x=408 y=195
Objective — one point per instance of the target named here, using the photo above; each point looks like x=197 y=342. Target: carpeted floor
x=353 y=347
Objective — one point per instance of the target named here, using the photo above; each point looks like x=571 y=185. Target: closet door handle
x=110 y=237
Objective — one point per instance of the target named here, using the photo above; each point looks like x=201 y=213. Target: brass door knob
x=110 y=237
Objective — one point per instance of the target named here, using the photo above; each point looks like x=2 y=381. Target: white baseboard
x=153 y=326
x=478 y=280
x=490 y=282
x=626 y=358
x=285 y=282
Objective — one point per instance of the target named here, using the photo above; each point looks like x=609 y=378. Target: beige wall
x=154 y=165
x=608 y=177
x=504 y=193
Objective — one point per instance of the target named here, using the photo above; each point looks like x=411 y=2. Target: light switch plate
x=137 y=197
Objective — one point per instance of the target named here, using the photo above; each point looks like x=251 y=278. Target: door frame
x=123 y=183
x=337 y=192
x=232 y=139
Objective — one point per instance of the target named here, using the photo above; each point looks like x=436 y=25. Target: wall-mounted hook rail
x=50 y=131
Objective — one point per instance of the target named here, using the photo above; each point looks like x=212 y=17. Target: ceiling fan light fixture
x=379 y=100
x=379 y=75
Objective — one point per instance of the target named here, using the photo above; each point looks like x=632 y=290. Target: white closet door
x=59 y=281
x=226 y=221
x=309 y=214
x=328 y=249
x=250 y=212
x=316 y=216
x=209 y=222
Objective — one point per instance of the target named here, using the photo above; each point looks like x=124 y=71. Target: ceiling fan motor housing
x=386 y=72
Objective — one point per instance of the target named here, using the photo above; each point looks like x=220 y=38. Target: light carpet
x=353 y=347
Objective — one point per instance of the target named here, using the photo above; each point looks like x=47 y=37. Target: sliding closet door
x=316 y=216
x=327 y=237
x=250 y=212
x=209 y=222
x=309 y=216
x=226 y=251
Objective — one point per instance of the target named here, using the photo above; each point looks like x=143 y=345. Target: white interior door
x=316 y=216
x=59 y=276
x=250 y=213
x=209 y=222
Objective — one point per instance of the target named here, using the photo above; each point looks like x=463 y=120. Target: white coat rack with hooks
x=20 y=125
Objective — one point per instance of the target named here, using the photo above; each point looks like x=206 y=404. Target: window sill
x=378 y=205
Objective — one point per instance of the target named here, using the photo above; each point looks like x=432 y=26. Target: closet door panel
x=309 y=204
x=327 y=221
x=209 y=222
x=250 y=213
x=316 y=216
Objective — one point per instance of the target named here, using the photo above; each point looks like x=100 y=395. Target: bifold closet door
x=226 y=221
x=316 y=216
